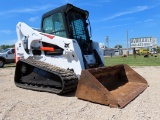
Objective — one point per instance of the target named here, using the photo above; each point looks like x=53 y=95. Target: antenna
x=107 y=40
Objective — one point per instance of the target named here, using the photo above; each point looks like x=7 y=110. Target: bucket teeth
x=114 y=86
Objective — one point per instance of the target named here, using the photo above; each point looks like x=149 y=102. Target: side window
x=48 y=25
x=13 y=51
x=77 y=23
x=78 y=29
x=54 y=25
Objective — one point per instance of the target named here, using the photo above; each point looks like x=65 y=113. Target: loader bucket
x=115 y=86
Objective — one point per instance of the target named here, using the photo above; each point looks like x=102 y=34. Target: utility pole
x=107 y=40
x=127 y=43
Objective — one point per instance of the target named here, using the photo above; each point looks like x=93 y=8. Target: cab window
x=12 y=51
x=54 y=25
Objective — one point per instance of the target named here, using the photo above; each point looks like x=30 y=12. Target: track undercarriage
x=37 y=75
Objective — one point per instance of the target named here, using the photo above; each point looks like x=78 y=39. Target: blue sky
x=113 y=18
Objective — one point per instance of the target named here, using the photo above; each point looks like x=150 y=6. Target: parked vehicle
x=7 y=56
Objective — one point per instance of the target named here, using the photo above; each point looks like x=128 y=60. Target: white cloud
x=66 y=1
x=96 y=4
x=26 y=10
x=113 y=26
x=148 y=20
x=90 y=4
x=6 y=32
x=34 y=9
x=134 y=10
x=32 y=19
x=138 y=22
x=100 y=3
x=105 y=1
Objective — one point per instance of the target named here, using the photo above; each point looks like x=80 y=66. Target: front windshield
x=5 y=50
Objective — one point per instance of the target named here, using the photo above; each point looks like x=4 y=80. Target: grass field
x=132 y=61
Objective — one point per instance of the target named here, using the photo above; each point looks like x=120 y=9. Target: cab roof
x=65 y=9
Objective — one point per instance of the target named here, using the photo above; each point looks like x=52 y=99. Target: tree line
x=158 y=49
x=2 y=47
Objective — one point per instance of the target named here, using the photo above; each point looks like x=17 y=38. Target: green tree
x=118 y=46
x=158 y=49
x=6 y=46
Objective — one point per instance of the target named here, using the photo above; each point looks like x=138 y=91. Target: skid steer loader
x=61 y=57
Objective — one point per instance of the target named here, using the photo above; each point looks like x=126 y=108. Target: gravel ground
x=21 y=104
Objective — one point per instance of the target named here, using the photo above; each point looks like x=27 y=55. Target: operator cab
x=70 y=22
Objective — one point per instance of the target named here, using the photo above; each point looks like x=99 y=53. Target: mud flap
x=115 y=86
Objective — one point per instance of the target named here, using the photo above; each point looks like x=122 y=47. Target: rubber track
x=69 y=78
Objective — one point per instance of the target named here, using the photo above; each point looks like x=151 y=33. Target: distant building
x=127 y=51
x=117 y=52
x=112 y=52
x=144 y=42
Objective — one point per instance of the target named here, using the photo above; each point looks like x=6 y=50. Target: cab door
x=10 y=56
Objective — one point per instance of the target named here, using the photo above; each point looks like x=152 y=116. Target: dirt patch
x=17 y=103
